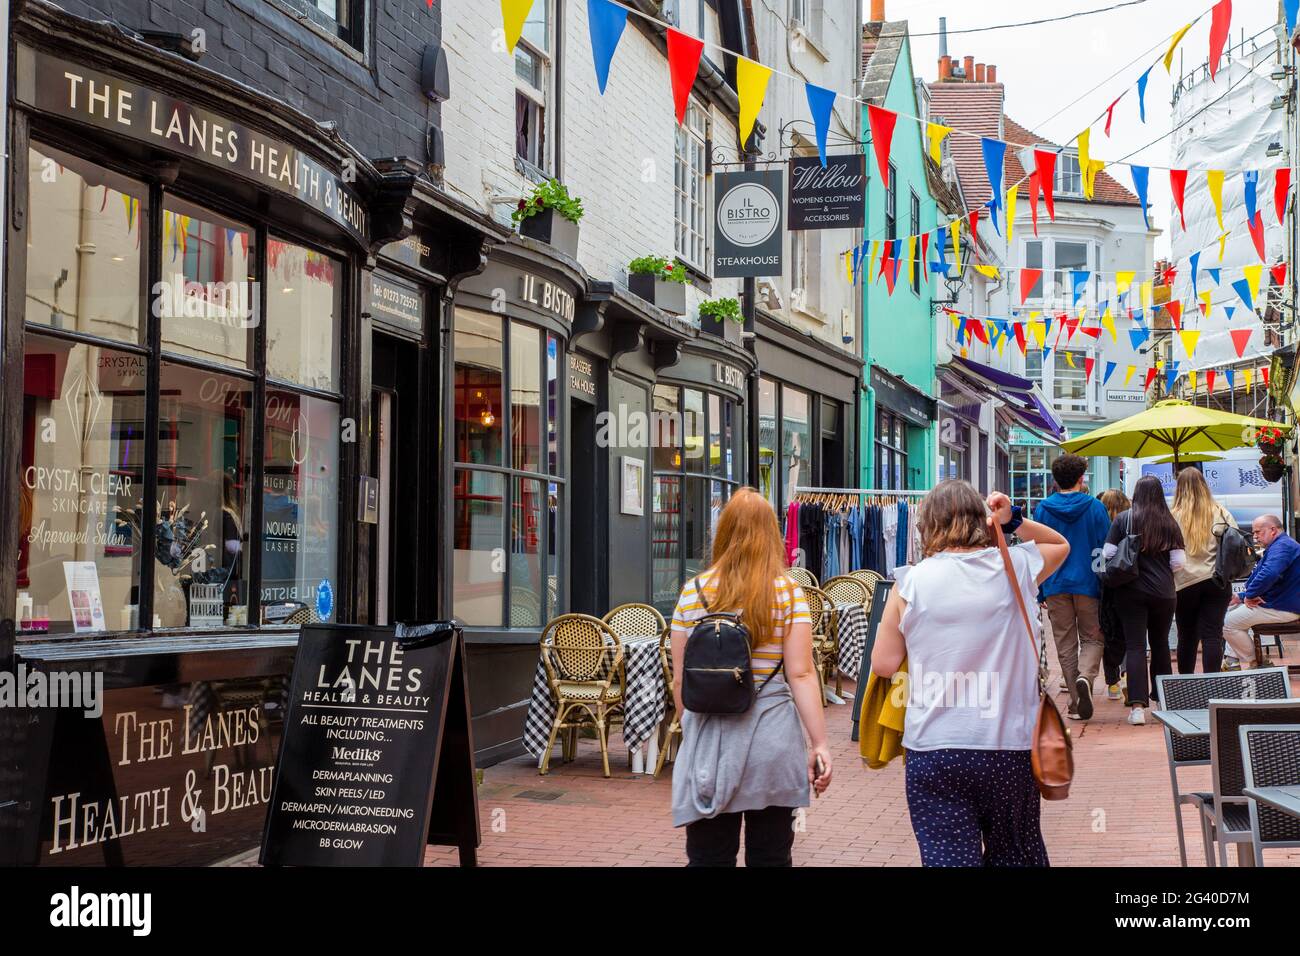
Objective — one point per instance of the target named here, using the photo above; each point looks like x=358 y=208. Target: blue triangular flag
x=820 y=103
x=1138 y=336
x=1171 y=374
x=896 y=254
x=1242 y=288
x=1290 y=6
x=961 y=332
x=1250 y=182
x=1046 y=352
x=1110 y=370
x=857 y=260
x=1195 y=260
x=1078 y=279
x=1140 y=176
x=1142 y=92
x=605 y=21
x=994 y=153
x=1228 y=310
x=1232 y=377
x=1213 y=274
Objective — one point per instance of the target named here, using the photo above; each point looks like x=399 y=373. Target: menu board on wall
x=376 y=760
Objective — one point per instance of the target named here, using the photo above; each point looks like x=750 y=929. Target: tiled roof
x=1107 y=189
x=975 y=108
x=882 y=44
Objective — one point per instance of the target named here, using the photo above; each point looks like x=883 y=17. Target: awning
x=909 y=402
x=1021 y=397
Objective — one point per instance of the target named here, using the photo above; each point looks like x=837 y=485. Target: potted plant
x=549 y=214
x=660 y=281
x=1268 y=439
x=1272 y=467
x=715 y=312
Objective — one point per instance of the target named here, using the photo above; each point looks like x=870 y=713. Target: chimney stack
x=943 y=37
x=979 y=72
x=991 y=73
x=945 y=68
x=877 y=11
x=968 y=64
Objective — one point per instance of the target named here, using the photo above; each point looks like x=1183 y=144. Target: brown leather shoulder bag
x=1052 y=753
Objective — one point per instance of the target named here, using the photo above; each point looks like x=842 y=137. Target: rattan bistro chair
x=672 y=732
x=802 y=577
x=1194 y=692
x=583 y=658
x=636 y=620
x=1228 y=811
x=869 y=578
x=1270 y=757
x=818 y=607
x=841 y=590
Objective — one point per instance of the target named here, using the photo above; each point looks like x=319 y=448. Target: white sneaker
x=1137 y=716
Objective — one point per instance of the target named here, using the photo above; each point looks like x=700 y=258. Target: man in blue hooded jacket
x=1073 y=593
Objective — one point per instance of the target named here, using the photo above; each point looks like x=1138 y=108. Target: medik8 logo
x=748 y=215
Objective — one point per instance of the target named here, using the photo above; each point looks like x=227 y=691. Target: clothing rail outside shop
x=878 y=492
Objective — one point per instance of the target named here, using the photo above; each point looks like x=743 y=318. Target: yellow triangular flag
x=1252 y=275
x=1038 y=330
x=1191 y=381
x=956 y=322
x=513 y=15
x=1214 y=181
x=1169 y=55
x=751 y=87
x=1190 y=337
x=1206 y=298
x=1223 y=243
x=848 y=265
x=873 y=259
x=1248 y=376
x=1129 y=374
x=1012 y=194
x=1087 y=166
x=990 y=272
x=955 y=228
x=1145 y=294
x=1108 y=323
x=1069 y=359
x=911 y=259
x=935 y=133
x=1123 y=280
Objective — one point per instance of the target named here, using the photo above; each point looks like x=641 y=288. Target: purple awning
x=1022 y=397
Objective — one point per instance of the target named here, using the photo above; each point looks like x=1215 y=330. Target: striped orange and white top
x=791 y=608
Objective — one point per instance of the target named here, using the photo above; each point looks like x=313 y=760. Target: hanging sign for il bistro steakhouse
x=749 y=227
x=70 y=90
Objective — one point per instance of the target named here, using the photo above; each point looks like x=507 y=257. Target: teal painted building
x=898 y=433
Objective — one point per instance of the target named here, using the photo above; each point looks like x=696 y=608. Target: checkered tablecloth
x=850 y=623
x=645 y=697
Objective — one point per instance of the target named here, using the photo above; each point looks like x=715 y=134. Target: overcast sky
x=1048 y=66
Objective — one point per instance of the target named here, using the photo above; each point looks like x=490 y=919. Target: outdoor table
x=1286 y=799
x=849 y=621
x=644 y=700
x=1185 y=723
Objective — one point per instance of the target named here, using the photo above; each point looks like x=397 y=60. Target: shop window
x=666 y=423
x=796 y=443
x=207 y=299
x=300 y=491
x=304 y=313
x=479 y=405
x=201 y=529
x=666 y=542
x=693 y=431
x=88 y=248
x=533 y=91
x=526 y=567
x=1031 y=479
x=891 y=451
x=768 y=436
x=554 y=358
x=525 y=398
x=82 y=487
x=832 y=450
x=691 y=188
x=478 y=575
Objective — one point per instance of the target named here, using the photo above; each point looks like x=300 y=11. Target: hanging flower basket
x=1269 y=440
x=1272 y=467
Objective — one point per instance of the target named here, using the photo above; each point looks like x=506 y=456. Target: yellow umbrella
x=1187 y=459
x=1171 y=427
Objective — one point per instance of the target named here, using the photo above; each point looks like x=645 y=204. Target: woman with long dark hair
x=1202 y=601
x=1146 y=605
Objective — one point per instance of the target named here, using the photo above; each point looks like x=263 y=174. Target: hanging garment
x=890 y=516
x=792 y=533
x=855 y=538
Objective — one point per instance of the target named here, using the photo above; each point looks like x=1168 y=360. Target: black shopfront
x=198 y=320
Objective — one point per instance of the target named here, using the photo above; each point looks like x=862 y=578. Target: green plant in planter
x=721 y=309
x=664 y=269
x=550 y=194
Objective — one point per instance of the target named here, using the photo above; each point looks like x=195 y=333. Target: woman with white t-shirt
x=973 y=678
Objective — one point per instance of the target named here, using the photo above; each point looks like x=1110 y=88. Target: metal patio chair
x=1228 y=810
x=1270 y=757
x=583 y=658
x=1194 y=692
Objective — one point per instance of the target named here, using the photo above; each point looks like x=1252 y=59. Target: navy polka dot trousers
x=974 y=808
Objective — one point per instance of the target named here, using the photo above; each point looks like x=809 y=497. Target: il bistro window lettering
x=84 y=513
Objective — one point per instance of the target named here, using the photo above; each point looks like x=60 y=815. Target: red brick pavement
x=1119 y=813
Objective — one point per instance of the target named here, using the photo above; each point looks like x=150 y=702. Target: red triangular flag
x=1045 y=166
x=1281 y=186
x=1256 y=227
x=1178 y=186
x=1092 y=330
x=1204 y=307
x=1151 y=374
x=974 y=226
x=924 y=264
x=882 y=134
x=1278 y=272
x=1168 y=276
x=1175 y=310
x=1110 y=112
x=1028 y=279
x=1033 y=200
x=886 y=255
x=1020 y=337
x=1220 y=22
x=1209 y=380
x=1264 y=374
x=1240 y=338
x=1071 y=326
x=684 y=54
x=1088 y=364
x=977 y=329
x=887 y=266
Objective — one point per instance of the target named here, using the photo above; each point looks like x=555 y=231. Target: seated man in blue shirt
x=1272 y=594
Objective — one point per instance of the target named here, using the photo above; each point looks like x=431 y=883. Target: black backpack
x=717 y=673
x=1234 y=559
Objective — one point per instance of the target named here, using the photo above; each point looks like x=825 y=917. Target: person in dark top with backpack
x=1202 y=596
x=1142 y=552
x=745 y=685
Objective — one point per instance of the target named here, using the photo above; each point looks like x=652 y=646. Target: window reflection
x=304 y=299
x=478 y=579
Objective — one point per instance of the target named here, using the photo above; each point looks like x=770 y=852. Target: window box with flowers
x=549 y=214
x=660 y=281
x=716 y=313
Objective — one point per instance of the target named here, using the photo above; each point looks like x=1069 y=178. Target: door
x=400 y=544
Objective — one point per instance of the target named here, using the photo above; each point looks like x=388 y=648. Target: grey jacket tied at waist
x=733 y=762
